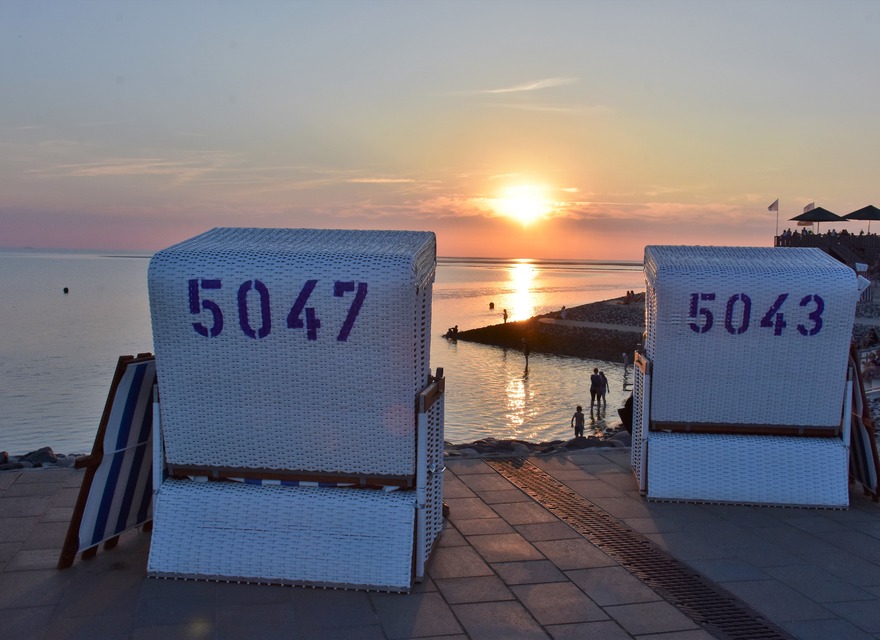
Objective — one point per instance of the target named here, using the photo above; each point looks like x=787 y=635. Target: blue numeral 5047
x=738 y=313
x=299 y=317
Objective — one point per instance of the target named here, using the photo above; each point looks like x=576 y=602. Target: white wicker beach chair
x=287 y=358
x=742 y=392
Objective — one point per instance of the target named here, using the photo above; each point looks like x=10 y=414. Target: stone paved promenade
x=506 y=568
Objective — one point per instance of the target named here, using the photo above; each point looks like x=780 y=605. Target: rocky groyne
x=550 y=333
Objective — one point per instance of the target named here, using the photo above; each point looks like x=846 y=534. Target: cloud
x=380 y=180
x=537 y=85
x=554 y=108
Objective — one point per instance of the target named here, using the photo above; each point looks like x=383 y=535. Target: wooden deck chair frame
x=124 y=499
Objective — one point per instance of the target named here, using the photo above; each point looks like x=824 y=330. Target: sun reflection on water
x=522 y=276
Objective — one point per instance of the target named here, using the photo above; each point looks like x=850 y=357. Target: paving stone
x=32 y=588
x=557 y=530
x=622 y=507
x=688 y=546
x=729 y=570
x=818 y=585
x=524 y=513
x=48 y=476
x=34 y=490
x=28 y=559
x=799 y=540
x=26 y=623
x=333 y=608
x=457 y=562
x=602 y=630
x=777 y=601
x=57 y=514
x=197 y=630
x=415 y=615
x=590 y=489
x=846 y=566
x=23 y=506
x=17 y=529
x=107 y=593
x=855 y=542
x=650 y=617
x=498 y=620
x=116 y=626
x=451 y=538
x=467 y=466
x=864 y=614
x=232 y=593
x=486 y=482
x=8 y=549
x=612 y=585
x=468 y=509
x=504 y=547
x=767 y=554
x=813 y=522
x=502 y=497
x=455 y=488
x=7 y=479
x=479 y=589
x=574 y=553
x=558 y=603
x=266 y=620
x=483 y=526
x=529 y=572
x=825 y=629
x=49 y=535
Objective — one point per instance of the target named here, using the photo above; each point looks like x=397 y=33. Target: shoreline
x=586 y=331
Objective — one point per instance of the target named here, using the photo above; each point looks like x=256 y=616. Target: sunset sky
x=512 y=129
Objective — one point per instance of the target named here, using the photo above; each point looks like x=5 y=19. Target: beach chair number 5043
x=299 y=317
x=738 y=314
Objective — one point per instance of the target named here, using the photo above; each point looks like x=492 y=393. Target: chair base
x=329 y=537
x=741 y=469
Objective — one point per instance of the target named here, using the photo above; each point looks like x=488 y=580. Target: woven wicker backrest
x=756 y=337
x=293 y=349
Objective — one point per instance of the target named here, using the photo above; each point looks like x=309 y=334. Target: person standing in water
x=577 y=421
x=595 y=388
x=604 y=388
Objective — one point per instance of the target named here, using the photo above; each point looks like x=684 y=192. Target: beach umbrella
x=865 y=213
x=817 y=215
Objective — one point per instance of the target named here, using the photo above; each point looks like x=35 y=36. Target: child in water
x=577 y=421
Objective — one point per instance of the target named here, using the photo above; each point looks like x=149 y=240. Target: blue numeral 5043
x=738 y=314
x=299 y=317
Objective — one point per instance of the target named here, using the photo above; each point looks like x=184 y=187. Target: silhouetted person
x=595 y=388
x=577 y=421
x=504 y=315
x=604 y=388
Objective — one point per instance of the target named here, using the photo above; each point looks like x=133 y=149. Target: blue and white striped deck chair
x=116 y=492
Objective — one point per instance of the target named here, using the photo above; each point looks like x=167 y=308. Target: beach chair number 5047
x=299 y=317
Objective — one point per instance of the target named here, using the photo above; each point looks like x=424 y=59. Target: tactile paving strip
x=716 y=610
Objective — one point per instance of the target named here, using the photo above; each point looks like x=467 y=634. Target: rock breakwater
x=575 y=335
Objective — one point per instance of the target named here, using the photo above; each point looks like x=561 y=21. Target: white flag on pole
x=810 y=207
x=774 y=206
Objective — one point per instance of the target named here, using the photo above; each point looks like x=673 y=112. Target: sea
x=58 y=350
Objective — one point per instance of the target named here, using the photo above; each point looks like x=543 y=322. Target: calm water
x=58 y=352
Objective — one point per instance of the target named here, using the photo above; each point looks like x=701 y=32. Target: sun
x=524 y=203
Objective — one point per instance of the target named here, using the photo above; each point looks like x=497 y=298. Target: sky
x=519 y=129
